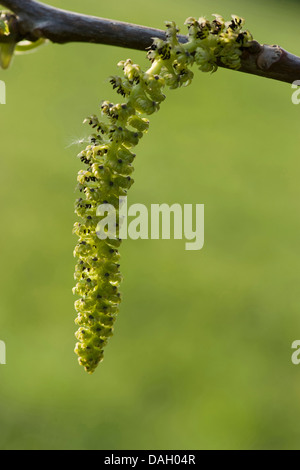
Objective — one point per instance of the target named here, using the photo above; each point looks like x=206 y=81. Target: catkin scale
x=108 y=158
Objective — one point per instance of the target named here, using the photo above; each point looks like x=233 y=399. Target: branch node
x=268 y=56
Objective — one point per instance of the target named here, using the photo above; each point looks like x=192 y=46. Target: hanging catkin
x=109 y=157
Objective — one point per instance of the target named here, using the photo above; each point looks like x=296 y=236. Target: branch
x=34 y=20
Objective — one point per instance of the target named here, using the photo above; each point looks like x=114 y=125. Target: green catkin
x=109 y=157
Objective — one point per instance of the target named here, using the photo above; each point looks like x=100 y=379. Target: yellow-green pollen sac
x=109 y=157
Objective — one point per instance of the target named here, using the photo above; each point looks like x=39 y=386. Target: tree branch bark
x=34 y=20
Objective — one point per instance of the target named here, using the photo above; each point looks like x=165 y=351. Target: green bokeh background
x=201 y=355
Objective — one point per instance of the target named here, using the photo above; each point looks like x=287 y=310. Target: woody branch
x=33 y=20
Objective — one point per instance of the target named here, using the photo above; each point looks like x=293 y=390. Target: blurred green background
x=201 y=355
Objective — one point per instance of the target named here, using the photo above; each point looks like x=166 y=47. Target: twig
x=35 y=20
